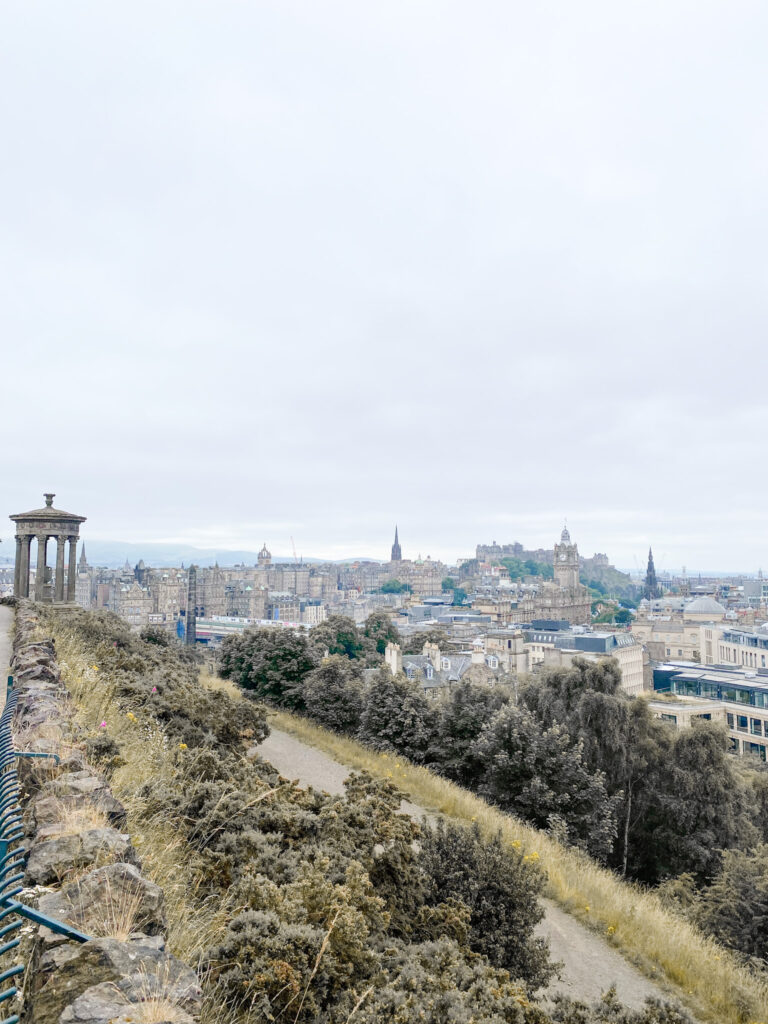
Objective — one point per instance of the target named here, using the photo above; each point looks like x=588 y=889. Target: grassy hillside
x=694 y=968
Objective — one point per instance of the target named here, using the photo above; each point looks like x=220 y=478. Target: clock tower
x=566 y=562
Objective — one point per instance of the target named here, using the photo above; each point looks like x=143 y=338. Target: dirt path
x=590 y=965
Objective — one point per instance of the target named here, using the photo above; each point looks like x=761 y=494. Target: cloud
x=287 y=268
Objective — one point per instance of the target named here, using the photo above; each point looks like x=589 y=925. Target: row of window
x=748 y=658
x=741 y=723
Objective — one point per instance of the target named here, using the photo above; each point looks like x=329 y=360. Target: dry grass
x=213 y=682
x=116 y=917
x=72 y=818
x=196 y=917
x=665 y=947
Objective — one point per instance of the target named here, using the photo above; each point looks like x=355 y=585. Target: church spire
x=397 y=555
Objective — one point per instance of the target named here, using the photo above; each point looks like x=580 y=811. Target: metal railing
x=12 y=856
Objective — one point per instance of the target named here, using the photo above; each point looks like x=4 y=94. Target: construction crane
x=295 y=556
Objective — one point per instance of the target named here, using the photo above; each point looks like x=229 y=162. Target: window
x=669 y=718
x=756 y=727
x=755 y=749
x=679 y=653
x=741 y=723
x=730 y=721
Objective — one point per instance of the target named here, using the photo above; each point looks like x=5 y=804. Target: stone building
x=133 y=603
x=671 y=627
x=563 y=597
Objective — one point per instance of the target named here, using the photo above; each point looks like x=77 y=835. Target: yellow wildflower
x=182 y=746
x=516 y=844
x=95 y=668
x=610 y=930
x=131 y=717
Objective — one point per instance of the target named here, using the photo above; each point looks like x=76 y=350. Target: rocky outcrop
x=79 y=848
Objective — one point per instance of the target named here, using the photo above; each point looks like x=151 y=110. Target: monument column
x=72 y=574
x=61 y=541
x=26 y=544
x=17 y=569
x=42 y=544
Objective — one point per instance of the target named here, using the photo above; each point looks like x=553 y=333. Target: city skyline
x=281 y=544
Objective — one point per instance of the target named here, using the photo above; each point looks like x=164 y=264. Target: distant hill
x=113 y=554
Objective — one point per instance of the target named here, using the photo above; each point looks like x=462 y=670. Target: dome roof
x=704 y=606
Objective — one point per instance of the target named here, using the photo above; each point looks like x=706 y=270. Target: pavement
x=590 y=965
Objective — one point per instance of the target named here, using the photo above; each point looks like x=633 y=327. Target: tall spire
x=397 y=555
x=83 y=559
x=652 y=589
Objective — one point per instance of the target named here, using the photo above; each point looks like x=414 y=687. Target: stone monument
x=42 y=524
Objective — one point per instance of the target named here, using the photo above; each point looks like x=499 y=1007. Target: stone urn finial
x=49 y=500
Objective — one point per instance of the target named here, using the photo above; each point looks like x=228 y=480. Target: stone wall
x=83 y=869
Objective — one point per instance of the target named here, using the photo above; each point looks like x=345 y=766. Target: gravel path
x=590 y=965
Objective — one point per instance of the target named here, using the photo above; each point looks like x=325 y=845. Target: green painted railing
x=12 y=857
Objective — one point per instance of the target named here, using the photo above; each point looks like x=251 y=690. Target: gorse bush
x=499 y=886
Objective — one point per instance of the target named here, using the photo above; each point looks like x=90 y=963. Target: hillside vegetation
x=294 y=905
x=578 y=758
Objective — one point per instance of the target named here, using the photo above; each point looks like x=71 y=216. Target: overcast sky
x=274 y=269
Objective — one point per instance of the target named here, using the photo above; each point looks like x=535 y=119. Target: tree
x=380 y=629
x=499 y=886
x=618 y=736
x=397 y=717
x=541 y=776
x=448 y=584
x=734 y=908
x=623 y=616
x=333 y=694
x=698 y=807
x=460 y=720
x=272 y=662
x=395 y=587
x=459 y=595
x=414 y=644
x=338 y=635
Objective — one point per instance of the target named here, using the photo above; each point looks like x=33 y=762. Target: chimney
x=393 y=658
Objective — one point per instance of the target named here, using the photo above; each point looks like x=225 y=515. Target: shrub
x=500 y=887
